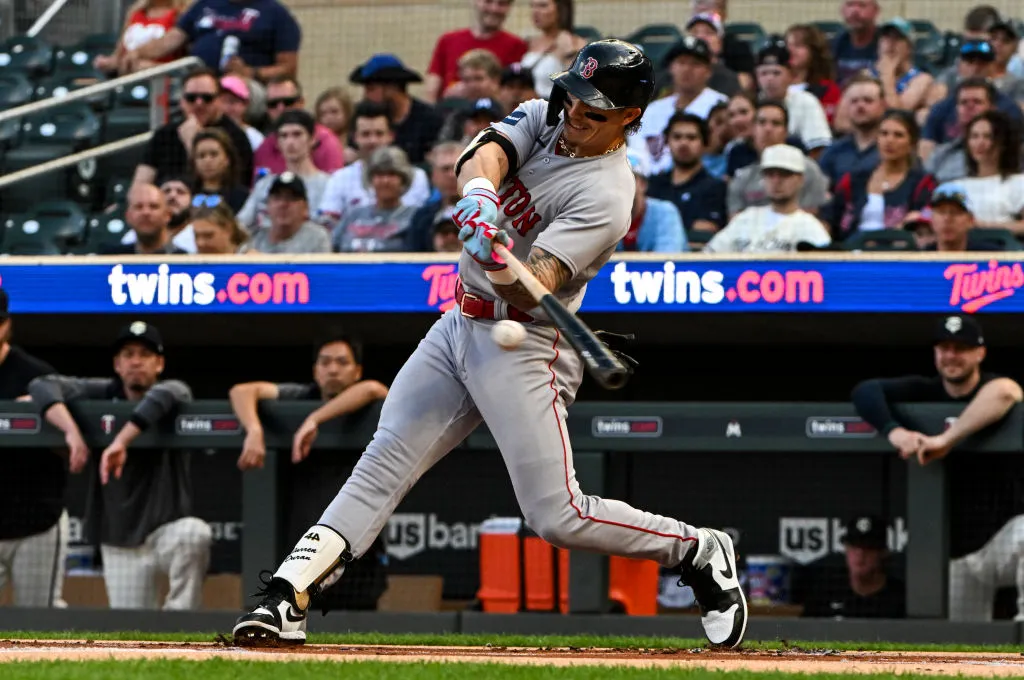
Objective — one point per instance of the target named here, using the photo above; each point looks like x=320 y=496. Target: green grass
x=225 y=669
x=514 y=641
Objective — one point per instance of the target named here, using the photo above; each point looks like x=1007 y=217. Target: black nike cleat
x=711 y=573
x=276 y=620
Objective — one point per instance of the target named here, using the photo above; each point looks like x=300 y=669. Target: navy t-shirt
x=701 y=198
x=850 y=60
x=264 y=29
x=942 y=125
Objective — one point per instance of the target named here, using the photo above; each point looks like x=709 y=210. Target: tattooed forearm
x=548 y=269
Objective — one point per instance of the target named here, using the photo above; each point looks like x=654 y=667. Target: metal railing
x=45 y=17
x=86 y=93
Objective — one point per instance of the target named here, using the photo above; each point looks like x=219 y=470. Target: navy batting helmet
x=607 y=74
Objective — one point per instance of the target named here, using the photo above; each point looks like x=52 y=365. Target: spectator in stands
x=149 y=216
x=145 y=20
x=167 y=152
x=384 y=226
x=708 y=27
x=476 y=118
x=811 y=64
x=33 y=522
x=346 y=188
x=333 y=110
x=742 y=107
x=234 y=102
x=734 y=53
x=781 y=225
x=698 y=197
x=337 y=391
x=905 y=85
x=217 y=232
x=719 y=135
x=555 y=46
x=285 y=94
x=655 y=226
x=214 y=168
x=747 y=188
x=870 y=592
x=856 y=48
x=445 y=235
x=947 y=119
x=290 y=230
x=178 y=194
x=953 y=222
x=479 y=77
x=385 y=80
x=975 y=578
x=959 y=350
x=864 y=105
x=296 y=141
x=882 y=197
x=485 y=33
x=689 y=63
x=139 y=506
x=443 y=197
x=979 y=25
x=516 y=87
x=948 y=161
x=269 y=38
x=994 y=183
x=1005 y=41
x=806 y=116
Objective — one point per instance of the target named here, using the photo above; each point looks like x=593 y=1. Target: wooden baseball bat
x=600 y=361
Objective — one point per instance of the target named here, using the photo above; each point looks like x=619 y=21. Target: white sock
x=316 y=554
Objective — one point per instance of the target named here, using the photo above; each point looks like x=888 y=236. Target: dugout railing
x=606 y=438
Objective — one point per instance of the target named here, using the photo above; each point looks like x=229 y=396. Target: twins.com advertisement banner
x=177 y=286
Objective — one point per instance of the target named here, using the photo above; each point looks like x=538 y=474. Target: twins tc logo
x=588 y=68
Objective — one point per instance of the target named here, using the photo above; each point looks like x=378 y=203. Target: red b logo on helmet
x=588 y=68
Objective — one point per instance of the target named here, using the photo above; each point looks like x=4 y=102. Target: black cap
x=692 y=46
x=142 y=333
x=867 y=531
x=774 y=54
x=485 y=107
x=4 y=302
x=517 y=74
x=960 y=328
x=1006 y=26
x=290 y=182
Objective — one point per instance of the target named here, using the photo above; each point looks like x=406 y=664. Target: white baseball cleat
x=276 y=620
x=712 y=575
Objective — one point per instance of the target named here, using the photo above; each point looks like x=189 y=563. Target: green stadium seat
x=929 y=43
x=951 y=42
x=32 y=55
x=830 y=28
x=749 y=32
x=698 y=239
x=63 y=82
x=588 y=33
x=80 y=56
x=15 y=89
x=49 y=228
x=104 y=231
x=656 y=40
x=881 y=240
x=998 y=237
x=116 y=191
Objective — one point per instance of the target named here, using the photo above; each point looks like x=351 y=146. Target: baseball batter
x=551 y=182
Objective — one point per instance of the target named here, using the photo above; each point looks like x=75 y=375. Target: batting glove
x=478 y=242
x=477 y=206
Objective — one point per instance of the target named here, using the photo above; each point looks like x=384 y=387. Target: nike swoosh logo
x=727 y=572
x=293 y=618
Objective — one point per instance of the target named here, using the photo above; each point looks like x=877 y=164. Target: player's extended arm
x=548 y=269
x=872 y=398
x=489 y=162
x=244 y=399
x=992 y=402
x=50 y=392
x=349 y=400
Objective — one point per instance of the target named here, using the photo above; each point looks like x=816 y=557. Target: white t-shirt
x=995 y=199
x=542 y=65
x=807 y=119
x=762 y=230
x=255 y=137
x=346 y=190
x=651 y=138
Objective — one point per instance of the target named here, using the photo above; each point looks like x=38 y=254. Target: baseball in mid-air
x=508 y=334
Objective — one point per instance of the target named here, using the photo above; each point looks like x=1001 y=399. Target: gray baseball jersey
x=457 y=378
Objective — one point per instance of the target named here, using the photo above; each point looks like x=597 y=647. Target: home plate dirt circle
x=788 y=660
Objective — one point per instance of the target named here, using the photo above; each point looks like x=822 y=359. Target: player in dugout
x=138 y=506
x=959 y=349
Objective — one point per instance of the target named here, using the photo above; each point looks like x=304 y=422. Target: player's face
x=689 y=74
x=863 y=562
x=591 y=130
x=894 y=141
x=970 y=102
x=212 y=238
x=866 y=104
x=336 y=369
x=138 y=366
x=769 y=128
x=956 y=362
x=781 y=185
x=295 y=143
x=371 y=134
x=774 y=80
x=685 y=145
x=979 y=141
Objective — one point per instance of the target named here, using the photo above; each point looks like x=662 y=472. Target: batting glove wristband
x=479 y=204
x=477 y=241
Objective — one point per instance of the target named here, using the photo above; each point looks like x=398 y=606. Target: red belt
x=475 y=307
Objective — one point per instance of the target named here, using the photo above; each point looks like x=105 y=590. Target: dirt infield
x=789 y=660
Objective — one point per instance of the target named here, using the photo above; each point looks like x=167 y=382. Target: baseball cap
x=689 y=45
x=952 y=192
x=142 y=333
x=638 y=163
x=290 y=182
x=1006 y=26
x=960 y=328
x=783 y=157
x=867 y=531
x=517 y=74
x=977 y=50
x=485 y=107
x=710 y=18
x=384 y=68
x=235 y=86
x=774 y=54
x=900 y=26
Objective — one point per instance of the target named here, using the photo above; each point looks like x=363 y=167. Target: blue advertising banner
x=690 y=285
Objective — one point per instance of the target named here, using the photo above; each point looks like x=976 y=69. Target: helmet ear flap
x=556 y=103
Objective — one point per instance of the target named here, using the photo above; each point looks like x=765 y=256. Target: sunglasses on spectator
x=193 y=97
x=278 y=101
x=206 y=201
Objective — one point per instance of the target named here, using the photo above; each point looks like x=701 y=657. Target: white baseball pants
x=35 y=566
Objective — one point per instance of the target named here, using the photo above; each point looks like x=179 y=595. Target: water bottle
x=228 y=49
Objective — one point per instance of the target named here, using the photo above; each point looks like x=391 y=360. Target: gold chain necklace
x=572 y=154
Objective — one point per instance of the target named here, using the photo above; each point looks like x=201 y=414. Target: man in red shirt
x=485 y=33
